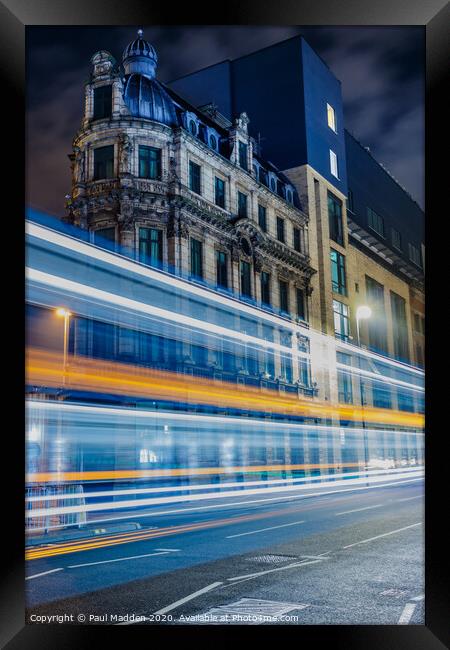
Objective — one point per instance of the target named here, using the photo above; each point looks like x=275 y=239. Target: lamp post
x=66 y=314
x=362 y=312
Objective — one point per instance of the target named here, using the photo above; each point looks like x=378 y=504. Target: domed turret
x=143 y=94
x=140 y=57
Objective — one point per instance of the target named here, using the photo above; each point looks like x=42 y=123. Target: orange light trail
x=97 y=375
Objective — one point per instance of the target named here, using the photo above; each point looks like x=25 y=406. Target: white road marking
x=418 y=598
x=119 y=559
x=167 y=549
x=187 y=598
x=347 y=512
x=420 y=496
x=177 y=603
x=392 y=532
x=38 y=575
x=262 y=530
x=281 y=568
x=407 y=613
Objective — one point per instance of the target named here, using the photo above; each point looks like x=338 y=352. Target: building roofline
x=384 y=169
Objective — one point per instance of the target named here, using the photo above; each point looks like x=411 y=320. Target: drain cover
x=272 y=559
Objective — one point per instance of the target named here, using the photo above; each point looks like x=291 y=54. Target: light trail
x=96 y=375
x=74 y=245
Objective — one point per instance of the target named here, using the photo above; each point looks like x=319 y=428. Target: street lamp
x=362 y=312
x=66 y=314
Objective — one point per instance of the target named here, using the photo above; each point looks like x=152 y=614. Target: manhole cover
x=272 y=559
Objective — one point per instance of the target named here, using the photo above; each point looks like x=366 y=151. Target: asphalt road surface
x=345 y=557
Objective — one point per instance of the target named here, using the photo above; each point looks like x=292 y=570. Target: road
x=350 y=556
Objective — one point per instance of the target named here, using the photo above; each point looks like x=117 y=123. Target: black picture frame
x=433 y=15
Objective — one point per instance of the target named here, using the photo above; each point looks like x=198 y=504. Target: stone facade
x=127 y=200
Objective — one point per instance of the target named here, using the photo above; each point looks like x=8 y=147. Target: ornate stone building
x=186 y=190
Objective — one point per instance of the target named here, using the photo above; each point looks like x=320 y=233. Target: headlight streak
x=115 y=260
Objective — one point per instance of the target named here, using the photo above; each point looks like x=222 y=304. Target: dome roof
x=146 y=98
x=140 y=47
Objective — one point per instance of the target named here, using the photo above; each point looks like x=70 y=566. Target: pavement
x=345 y=557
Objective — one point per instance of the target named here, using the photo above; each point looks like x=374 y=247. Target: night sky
x=381 y=70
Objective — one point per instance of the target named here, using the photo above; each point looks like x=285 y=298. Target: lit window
x=334 y=164
x=338 y=280
x=331 y=116
x=341 y=320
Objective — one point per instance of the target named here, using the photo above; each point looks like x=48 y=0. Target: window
x=284 y=296
x=262 y=218
x=246 y=284
x=102 y=102
x=213 y=142
x=334 y=164
x=149 y=162
x=377 y=322
x=219 y=192
x=301 y=311
x=151 y=246
x=414 y=255
x=345 y=392
x=289 y=196
x=221 y=267
x=335 y=219
x=196 y=258
x=280 y=229
x=193 y=127
x=400 y=330
x=104 y=162
x=375 y=221
x=396 y=239
x=341 y=320
x=297 y=240
x=331 y=117
x=242 y=204
x=265 y=288
x=338 y=279
x=243 y=155
x=105 y=237
x=419 y=324
x=194 y=177
x=350 y=204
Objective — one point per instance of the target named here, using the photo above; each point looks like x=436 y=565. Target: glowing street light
x=66 y=314
x=363 y=312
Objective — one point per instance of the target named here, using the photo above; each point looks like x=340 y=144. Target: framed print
x=229 y=394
